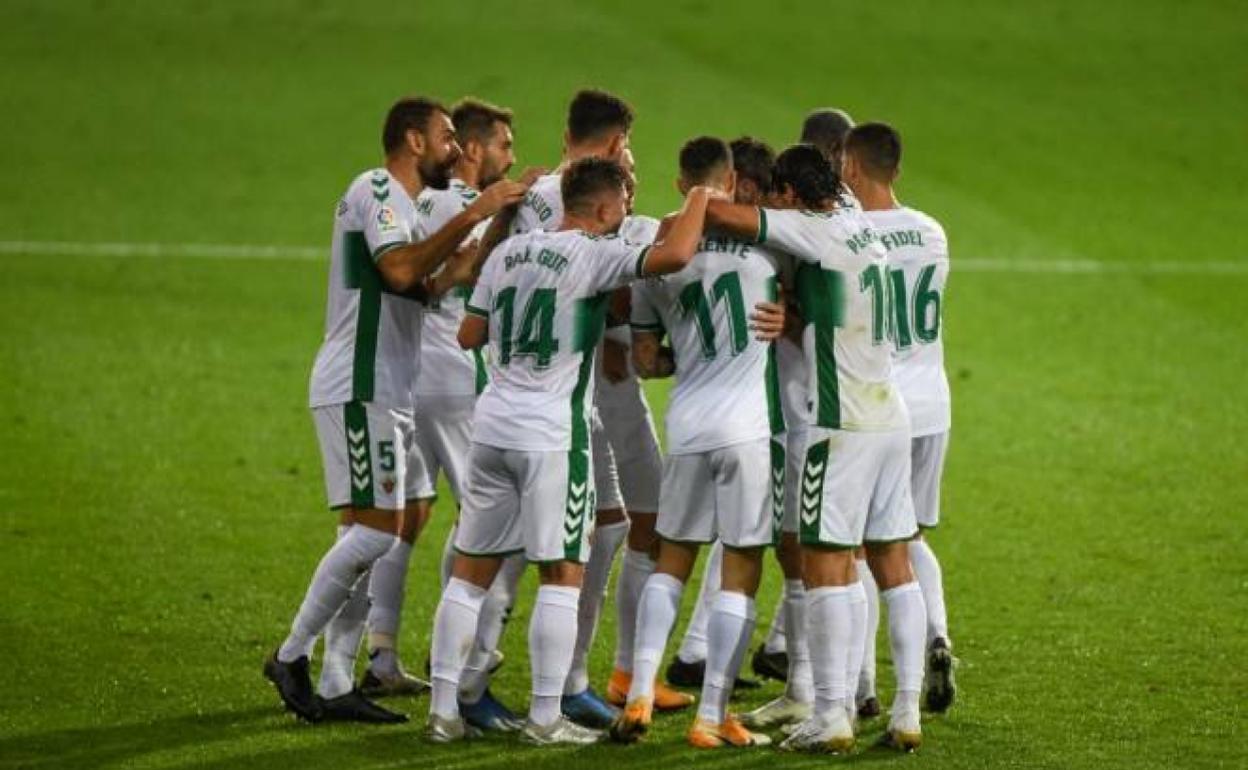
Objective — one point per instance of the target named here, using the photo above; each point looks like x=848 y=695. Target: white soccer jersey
x=545 y=295
x=371 y=334
x=726 y=388
x=542 y=207
x=639 y=228
x=918 y=267
x=447 y=368
x=842 y=290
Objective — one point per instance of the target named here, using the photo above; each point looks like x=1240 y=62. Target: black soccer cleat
x=354 y=707
x=869 y=708
x=294 y=686
x=682 y=673
x=941 y=688
x=770 y=665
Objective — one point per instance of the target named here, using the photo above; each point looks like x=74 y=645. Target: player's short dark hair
x=593 y=113
x=877 y=146
x=587 y=178
x=702 y=157
x=809 y=172
x=826 y=129
x=754 y=160
x=407 y=114
x=474 y=119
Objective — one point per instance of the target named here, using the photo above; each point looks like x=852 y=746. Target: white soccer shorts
x=538 y=503
x=723 y=493
x=855 y=488
x=365 y=456
x=927 y=464
x=634 y=442
x=606 y=473
x=444 y=436
x=794 y=458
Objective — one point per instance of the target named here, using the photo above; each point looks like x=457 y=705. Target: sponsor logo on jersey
x=388 y=484
x=342 y=208
x=385 y=219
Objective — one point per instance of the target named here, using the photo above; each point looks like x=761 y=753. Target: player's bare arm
x=474 y=331
x=680 y=241
x=650 y=358
x=736 y=219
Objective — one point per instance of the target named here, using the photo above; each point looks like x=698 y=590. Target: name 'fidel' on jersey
x=726 y=389
x=372 y=335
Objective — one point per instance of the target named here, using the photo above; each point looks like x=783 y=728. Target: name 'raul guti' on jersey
x=545 y=295
x=446 y=368
x=726 y=388
x=842 y=293
x=372 y=335
x=918 y=268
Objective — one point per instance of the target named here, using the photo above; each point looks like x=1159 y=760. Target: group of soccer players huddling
x=495 y=331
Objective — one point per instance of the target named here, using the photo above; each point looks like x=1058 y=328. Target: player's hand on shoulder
x=531 y=175
x=497 y=196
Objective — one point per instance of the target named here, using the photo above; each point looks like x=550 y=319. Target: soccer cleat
x=294 y=686
x=587 y=710
x=443 y=730
x=560 y=731
x=770 y=665
x=706 y=735
x=375 y=685
x=633 y=721
x=869 y=707
x=354 y=707
x=665 y=698
x=496 y=661
x=940 y=687
x=490 y=715
x=682 y=673
x=829 y=733
x=904 y=731
x=781 y=711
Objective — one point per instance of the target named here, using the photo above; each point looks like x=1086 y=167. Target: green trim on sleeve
x=762 y=225
x=386 y=248
x=641 y=262
x=469 y=308
x=647 y=327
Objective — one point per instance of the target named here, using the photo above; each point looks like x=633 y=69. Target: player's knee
x=890 y=564
x=561 y=573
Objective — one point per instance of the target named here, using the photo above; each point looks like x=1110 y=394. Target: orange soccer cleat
x=633 y=721
x=705 y=735
x=665 y=698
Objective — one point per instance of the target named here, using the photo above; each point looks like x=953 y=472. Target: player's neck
x=573 y=222
x=469 y=174
x=573 y=154
x=877 y=197
x=405 y=173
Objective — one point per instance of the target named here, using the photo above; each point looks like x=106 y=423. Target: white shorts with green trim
x=538 y=503
x=856 y=488
x=794 y=457
x=606 y=474
x=444 y=436
x=365 y=456
x=927 y=464
x=630 y=429
x=723 y=493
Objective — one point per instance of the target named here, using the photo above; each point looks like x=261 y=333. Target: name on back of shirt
x=898 y=238
x=547 y=258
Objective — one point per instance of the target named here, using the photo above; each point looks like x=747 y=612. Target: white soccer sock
x=866 y=675
x=693 y=645
x=448 y=555
x=607 y=542
x=656 y=613
x=636 y=569
x=342 y=643
x=907 y=621
x=454 y=625
x=927 y=570
x=857 y=643
x=800 y=685
x=730 y=628
x=495 y=611
x=552 y=636
x=827 y=622
x=386 y=588
x=777 y=634
x=341 y=566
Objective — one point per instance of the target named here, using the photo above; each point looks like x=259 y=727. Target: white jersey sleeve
x=542 y=207
x=387 y=214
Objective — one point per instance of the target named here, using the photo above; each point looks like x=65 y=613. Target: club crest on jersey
x=388 y=484
x=385 y=219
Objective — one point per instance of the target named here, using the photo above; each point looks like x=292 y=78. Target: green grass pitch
x=160 y=491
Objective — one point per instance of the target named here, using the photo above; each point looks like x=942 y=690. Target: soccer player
x=856 y=477
x=445 y=394
x=918 y=267
x=540 y=302
x=723 y=412
x=360 y=397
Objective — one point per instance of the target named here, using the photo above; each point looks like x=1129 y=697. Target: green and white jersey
x=726 y=388
x=918 y=267
x=445 y=367
x=842 y=292
x=545 y=295
x=639 y=228
x=372 y=335
x=542 y=207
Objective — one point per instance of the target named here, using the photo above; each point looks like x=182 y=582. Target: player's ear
x=567 y=142
x=416 y=141
x=730 y=183
x=615 y=148
x=682 y=186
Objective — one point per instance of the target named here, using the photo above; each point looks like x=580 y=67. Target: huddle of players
x=767 y=445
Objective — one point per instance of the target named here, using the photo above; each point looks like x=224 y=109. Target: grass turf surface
x=160 y=493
